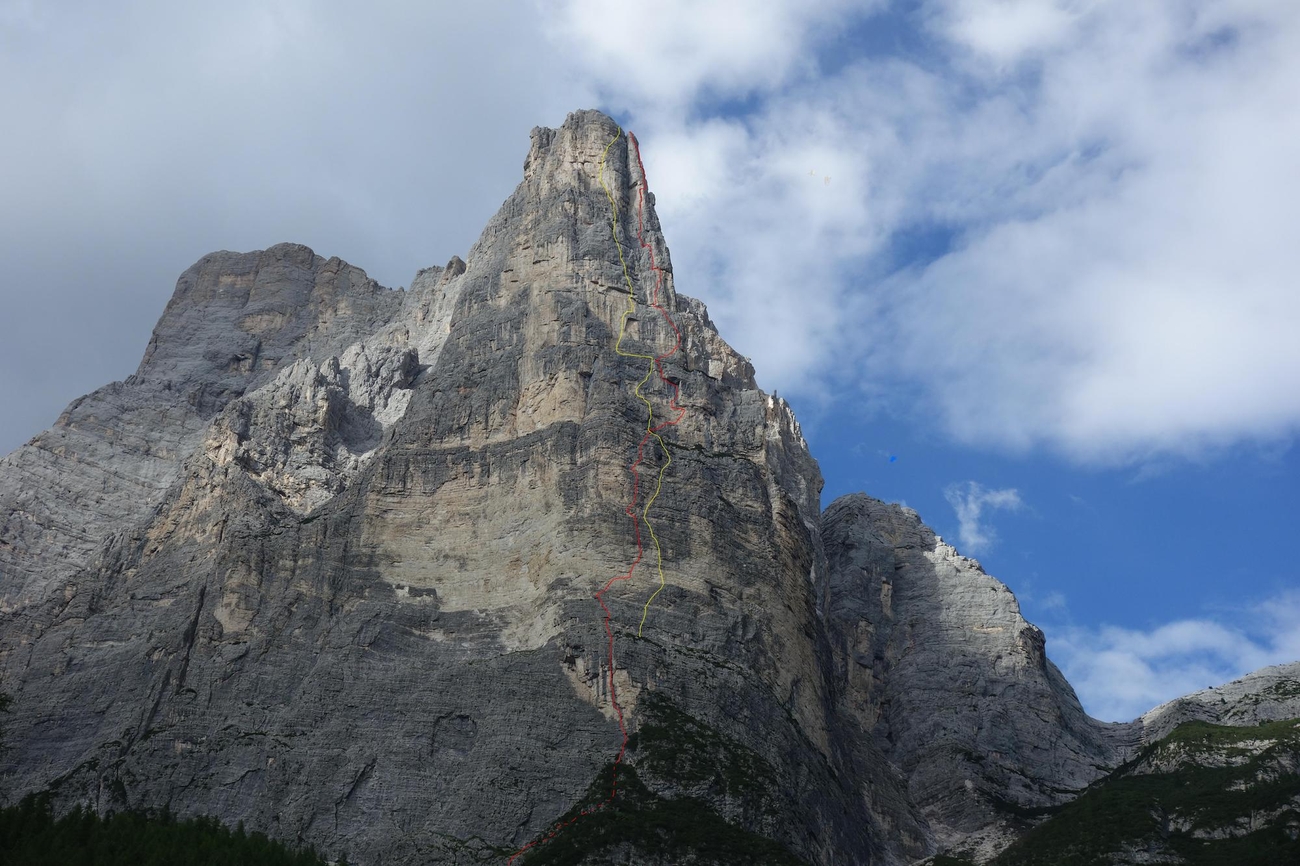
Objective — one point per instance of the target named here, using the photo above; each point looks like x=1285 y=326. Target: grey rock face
x=304 y=435
x=110 y=458
x=935 y=662
x=326 y=564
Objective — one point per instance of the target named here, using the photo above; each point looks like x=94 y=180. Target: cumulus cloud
x=1124 y=279
x=1003 y=30
x=677 y=51
x=970 y=501
x=1120 y=673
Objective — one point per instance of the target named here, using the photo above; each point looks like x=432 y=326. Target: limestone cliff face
x=934 y=659
x=110 y=459
x=326 y=564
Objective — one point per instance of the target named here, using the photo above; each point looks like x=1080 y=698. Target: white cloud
x=970 y=500
x=1137 y=301
x=1054 y=600
x=1120 y=673
x=670 y=54
x=1004 y=30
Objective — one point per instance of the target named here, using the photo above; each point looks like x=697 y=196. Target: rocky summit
x=327 y=565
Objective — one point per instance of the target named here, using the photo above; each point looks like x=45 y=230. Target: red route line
x=654 y=301
x=631 y=507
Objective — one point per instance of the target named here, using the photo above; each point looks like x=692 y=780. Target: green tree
x=5 y=702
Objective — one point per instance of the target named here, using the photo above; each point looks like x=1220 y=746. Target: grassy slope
x=1131 y=809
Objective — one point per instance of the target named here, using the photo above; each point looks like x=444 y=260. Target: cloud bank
x=1120 y=673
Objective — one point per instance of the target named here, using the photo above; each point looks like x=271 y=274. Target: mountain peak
x=423 y=576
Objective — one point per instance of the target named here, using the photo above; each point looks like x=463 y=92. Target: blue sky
x=1041 y=252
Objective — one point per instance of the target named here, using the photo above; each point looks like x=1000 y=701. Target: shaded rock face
x=326 y=565
x=934 y=661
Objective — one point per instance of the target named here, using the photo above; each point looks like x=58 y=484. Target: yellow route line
x=650 y=368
